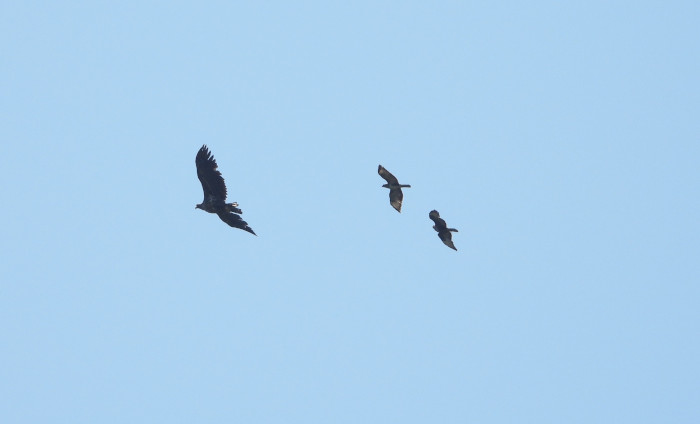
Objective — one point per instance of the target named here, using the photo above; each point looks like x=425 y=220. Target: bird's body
x=215 y=193
x=395 y=193
x=440 y=226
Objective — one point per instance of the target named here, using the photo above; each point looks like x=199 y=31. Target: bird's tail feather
x=404 y=185
x=454 y=230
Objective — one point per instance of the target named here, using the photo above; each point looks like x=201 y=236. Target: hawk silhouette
x=440 y=226
x=215 y=192
x=395 y=193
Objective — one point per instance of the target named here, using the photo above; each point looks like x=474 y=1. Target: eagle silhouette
x=440 y=226
x=395 y=193
x=215 y=192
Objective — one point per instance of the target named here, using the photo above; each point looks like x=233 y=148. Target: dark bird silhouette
x=440 y=226
x=395 y=193
x=215 y=192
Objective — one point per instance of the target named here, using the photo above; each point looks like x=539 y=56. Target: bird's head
x=386 y=186
x=199 y=206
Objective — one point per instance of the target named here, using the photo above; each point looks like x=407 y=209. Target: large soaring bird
x=215 y=192
x=440 y=226
x=395 y=193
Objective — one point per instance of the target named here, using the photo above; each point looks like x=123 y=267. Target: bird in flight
x=215 y=192
x=395 y=193
x=440 y=226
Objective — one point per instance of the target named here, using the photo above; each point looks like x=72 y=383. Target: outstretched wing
x=440 y=224
x=446 y=238
x=388 y=176
x=212 y=182
x=235 y=221
x=395 y=198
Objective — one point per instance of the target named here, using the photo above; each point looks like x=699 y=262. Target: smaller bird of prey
x=395 y=193
x=215 y=192
x=440 y=226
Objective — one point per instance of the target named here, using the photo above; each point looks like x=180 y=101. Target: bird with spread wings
x=215 y=192
x=440 y=226
x=395 y=193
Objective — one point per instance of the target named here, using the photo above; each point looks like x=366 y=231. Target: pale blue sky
x=560 y=138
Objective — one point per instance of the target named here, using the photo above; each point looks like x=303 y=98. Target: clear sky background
x=560 y=138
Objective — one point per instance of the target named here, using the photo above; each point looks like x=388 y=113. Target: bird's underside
x=444 y=233
x=395 y=193
x=214 y=189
